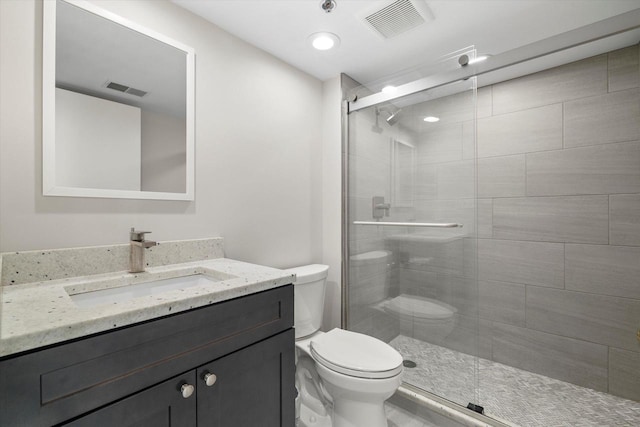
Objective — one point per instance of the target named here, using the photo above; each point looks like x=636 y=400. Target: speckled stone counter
x=42 y=313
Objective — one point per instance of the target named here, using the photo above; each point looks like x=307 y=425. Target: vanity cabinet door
x=163 y=405
x=252 y=387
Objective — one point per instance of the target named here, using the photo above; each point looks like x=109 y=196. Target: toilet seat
x=356 y=355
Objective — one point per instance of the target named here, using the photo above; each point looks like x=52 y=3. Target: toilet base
x=309 y=418
x=370 y=415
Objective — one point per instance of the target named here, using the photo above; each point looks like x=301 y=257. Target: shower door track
x=570 y=39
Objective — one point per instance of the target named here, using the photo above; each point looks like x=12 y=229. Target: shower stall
x=491 y=236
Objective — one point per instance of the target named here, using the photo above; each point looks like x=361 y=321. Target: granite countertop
x=42 y=313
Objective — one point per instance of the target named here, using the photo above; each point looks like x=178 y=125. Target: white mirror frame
x=49 y=187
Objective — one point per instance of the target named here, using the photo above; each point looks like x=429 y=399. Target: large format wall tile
x=613 y=117
x=501 y=302
x=459 y=292
x=374 y=323
x=526 y=131
x=470 y=257
x=567 y=359
x=456 y=180
x=624 y=68
x=578 y=219
x=501 y=176
x=363 y=141
x=442 y=144
x=576 y=80
x=603 y=269
x=360 y=209
x=426 y=183
x=485 y=217
x=369 y=177
x=532 y=263
x=470 y=335
x=432 y=253
x=624 y=211
x=469 y=146
x=624 y=373
x=454 y=210
x=458 y=107
x=596 y=318
x=484 y=102
x=601 y=169
x=417 y=282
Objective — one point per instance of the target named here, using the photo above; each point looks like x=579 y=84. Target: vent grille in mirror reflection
x=136 y=92
x=126 y=89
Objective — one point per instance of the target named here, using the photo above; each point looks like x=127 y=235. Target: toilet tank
x=308 y=290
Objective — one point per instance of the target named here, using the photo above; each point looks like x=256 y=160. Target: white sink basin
x=155 y=287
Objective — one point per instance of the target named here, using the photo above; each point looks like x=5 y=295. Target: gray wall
x=258 y=144
x=163 y=152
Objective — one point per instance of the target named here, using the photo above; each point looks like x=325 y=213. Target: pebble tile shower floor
x=509 y=394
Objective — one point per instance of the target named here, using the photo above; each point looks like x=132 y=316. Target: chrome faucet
x=137 y=246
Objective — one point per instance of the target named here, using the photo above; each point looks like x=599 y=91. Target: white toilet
x=342 y=377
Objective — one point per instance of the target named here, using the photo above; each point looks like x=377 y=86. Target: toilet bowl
x=434 y=319
x=342 y=377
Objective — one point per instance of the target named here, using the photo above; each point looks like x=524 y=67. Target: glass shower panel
x=412 y=163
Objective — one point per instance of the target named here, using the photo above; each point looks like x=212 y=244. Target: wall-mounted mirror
x=118 y=107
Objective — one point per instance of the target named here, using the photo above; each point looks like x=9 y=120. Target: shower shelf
x=411 y=224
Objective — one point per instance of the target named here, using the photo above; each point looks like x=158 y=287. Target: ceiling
x=281 y=27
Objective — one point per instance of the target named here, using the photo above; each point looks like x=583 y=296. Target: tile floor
x=510 y=394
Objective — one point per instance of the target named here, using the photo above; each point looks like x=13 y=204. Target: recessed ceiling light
x=324 y=40
x=431 y=119
x=388 y=89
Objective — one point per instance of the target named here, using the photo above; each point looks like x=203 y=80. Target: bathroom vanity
x=225 y=358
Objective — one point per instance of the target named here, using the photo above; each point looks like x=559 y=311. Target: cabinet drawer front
x=67 y=380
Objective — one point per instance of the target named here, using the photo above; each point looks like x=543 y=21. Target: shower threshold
x=509 y=394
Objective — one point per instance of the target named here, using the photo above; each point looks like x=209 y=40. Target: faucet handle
x=137 y=236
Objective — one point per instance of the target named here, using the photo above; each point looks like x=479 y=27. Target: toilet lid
x=355 y=354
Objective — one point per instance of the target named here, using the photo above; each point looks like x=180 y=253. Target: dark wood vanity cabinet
x=227 y=364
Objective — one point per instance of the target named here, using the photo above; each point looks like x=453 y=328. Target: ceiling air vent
x=126 y=89
x=398 y=17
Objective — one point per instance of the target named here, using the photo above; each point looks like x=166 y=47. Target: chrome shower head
x=393 y=118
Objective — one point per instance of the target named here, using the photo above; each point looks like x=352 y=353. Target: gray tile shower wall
x=557 y=242
x=559 y=256
x=566 y=253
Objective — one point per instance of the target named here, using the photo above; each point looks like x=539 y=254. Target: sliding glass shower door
x=412 y=226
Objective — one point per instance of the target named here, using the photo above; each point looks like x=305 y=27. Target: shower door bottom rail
x=411 y=224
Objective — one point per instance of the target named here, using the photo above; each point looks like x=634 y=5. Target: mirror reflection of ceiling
x=92 y=51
